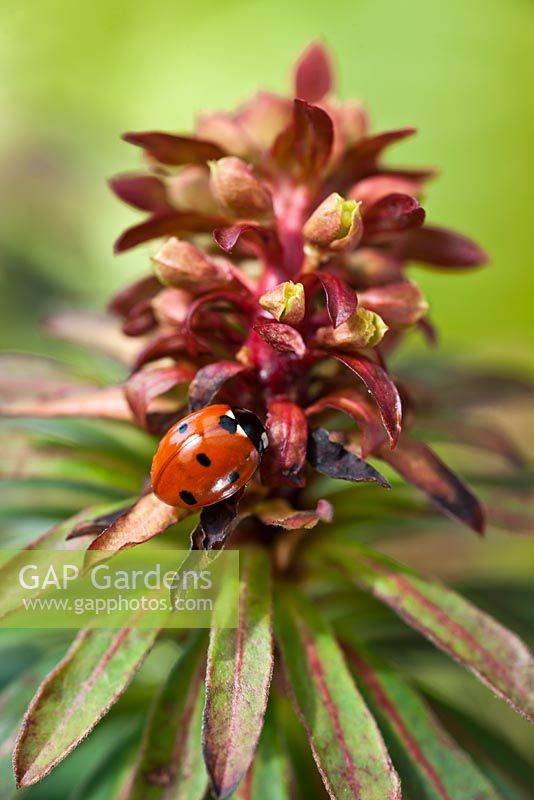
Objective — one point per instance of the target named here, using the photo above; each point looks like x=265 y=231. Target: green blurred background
x=74 y=75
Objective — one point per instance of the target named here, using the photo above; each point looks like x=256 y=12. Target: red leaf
x=281 y=337
x=262 y=241
x=373 y=146
x=305 y=146
x=287 y=429
x=173 y=223
x=370 y=190
x=382 y=389
x=331 y=458
x=147 y=518
x=166 y=344
x=350 y=402
x=361 y=158
x=144 y=386
x=442 y=248
x=421 y=467
x=313 y=79
x=209 y=381
x=126 y=299
x=176 y=150
x=146 y=192
x=397 y=303
x=392 y=214
x=341 y=299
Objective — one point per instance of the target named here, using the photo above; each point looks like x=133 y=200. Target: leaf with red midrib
x=494 y=654
x=75 y=696
x=169 y=764
x=344 y=738
x=433 y=764
x=240 y=662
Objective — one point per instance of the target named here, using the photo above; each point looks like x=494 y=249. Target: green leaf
x=494 y=654
x=14 y=700
x=268 y=777
x=346 y=743
x=435 y=767
x=75 y=696
x=11 y=591
x=240 y=662
x=509 y=770
x=169 y=765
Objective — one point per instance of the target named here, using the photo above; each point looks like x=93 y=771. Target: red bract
x=309 y=217
x=282 y=284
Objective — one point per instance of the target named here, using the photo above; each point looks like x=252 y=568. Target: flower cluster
x=282 y=286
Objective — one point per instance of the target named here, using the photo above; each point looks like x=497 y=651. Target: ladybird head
x=252 y=426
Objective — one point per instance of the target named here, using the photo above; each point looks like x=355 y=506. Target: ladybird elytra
x=207 y=456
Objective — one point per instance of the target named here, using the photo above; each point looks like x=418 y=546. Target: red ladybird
x=207 y=456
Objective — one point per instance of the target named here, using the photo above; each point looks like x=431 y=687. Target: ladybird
x=207 y=456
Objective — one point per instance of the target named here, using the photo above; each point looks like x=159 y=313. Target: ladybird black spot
x=182 y=428
x=203 y=459
x=188 y=498
x=233 y=476
x=228 y=423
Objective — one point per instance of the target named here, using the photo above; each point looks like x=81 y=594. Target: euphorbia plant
x=281 y=286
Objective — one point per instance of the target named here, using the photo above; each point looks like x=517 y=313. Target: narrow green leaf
x=169 y=765
x=75 y=696
x=346 y=743
x=11 y=591
x=14 y=700
x=494 y=654
x=240 y=662
x=435 y=767
x=268 y=777
x=509 y=770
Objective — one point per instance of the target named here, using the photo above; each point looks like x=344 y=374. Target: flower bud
x=335 y=225
x=264 y=117
x=238 y=189
x=170 y=306
x=226 y=130
x=363 y=329
x=285 y=302
x=399 y=304
x=190 y=190
x=184 y=266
